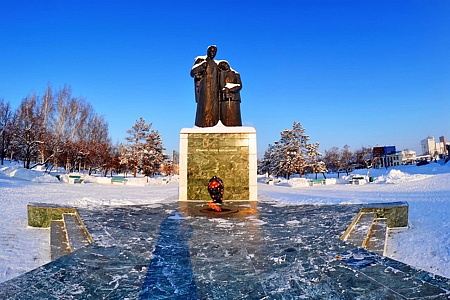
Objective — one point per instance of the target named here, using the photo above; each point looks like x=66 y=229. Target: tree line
x=57 y=129
x=293 y=154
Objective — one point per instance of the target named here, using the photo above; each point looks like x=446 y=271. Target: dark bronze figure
x=230 y=99
x=217 y=91
x=205 y=73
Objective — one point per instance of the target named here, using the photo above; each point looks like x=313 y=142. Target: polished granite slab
x=262 y=251
x=227 y=152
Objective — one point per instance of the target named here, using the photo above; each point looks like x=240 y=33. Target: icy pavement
x=264 y=251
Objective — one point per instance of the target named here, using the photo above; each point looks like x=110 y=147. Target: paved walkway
x=263 y=251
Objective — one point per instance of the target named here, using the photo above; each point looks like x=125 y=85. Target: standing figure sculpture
x=217 y=91
x=230 y=99
x=205 y=74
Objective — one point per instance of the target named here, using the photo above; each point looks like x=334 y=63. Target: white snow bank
x=298 y=182
x=397 y=176
x=38 y=175
x=31 y=175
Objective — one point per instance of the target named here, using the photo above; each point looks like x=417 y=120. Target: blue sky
x=351 y=72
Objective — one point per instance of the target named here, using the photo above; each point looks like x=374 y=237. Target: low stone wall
x=370 y=226
x=42 y=214
x=67 y=231
x=396 y=213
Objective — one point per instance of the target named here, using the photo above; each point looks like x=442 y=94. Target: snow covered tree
x=288 y=155
x=314 y=164
x=168 y=168
x=291 y=154
x=292 y=151
x=269 y=163
x=143 y=150
x=153 y=155
x=320 y=167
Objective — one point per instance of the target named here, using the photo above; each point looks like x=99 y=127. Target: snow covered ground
x=425 y=245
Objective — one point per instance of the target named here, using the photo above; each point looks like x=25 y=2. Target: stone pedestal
x=225 y=152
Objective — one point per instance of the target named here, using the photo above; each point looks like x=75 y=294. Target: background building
x=432 y=148
x=408 y=157
x=387 y=156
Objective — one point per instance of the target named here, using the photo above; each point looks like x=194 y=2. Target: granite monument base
x=226 y=152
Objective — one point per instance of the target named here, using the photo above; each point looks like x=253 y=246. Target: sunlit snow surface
x=425 y=245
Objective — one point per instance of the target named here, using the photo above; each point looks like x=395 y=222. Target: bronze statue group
x=217 y=91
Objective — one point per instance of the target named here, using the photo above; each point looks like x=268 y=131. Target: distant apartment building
x=432 y=148
x=408 y=157
x=442 y=139
x=388 y=156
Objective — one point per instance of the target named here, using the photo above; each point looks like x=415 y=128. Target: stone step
x=368 y=232
x=359 y=228
x=376 y=236
x=370 y=226
x=67 y=231
x=59 y=243
x=76 y=232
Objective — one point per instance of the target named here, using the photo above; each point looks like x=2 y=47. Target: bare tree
x=340 y=160
x=113 y=164
x=6 y=132
x=347 y=160
x=29 y=129
x=97 y=145
x=331 y=159
x=46 y=110
x=365 y=157
x=70 y=127
x=56 y=129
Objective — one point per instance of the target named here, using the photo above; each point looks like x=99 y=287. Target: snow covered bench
x=316 y=181
x=122 y=180
x=75 y=179
x=357 y=180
